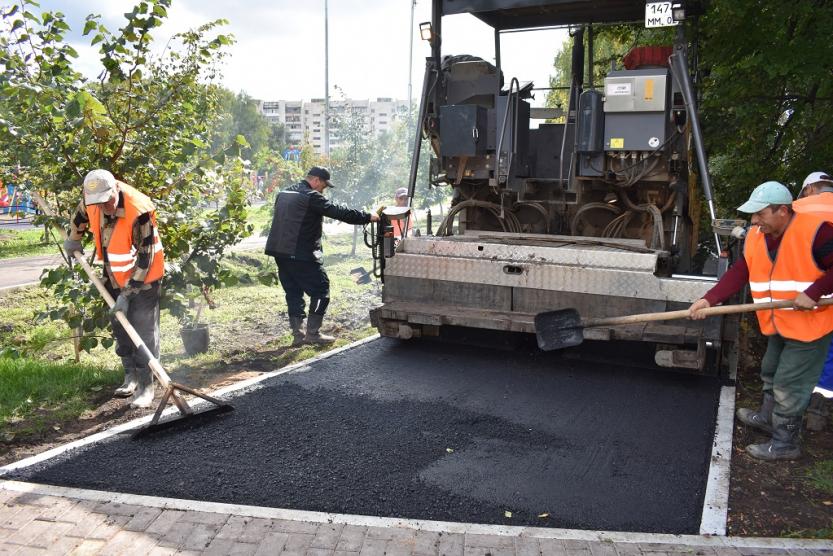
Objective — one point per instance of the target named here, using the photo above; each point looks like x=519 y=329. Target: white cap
x=816 y=177
x=401 y=192
x=99 y=186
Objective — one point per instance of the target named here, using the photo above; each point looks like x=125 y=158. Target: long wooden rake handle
x=709 y=312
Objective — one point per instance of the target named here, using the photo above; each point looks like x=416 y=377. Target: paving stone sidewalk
x=33 y=523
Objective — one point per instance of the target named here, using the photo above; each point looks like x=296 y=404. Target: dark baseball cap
x=322 y=173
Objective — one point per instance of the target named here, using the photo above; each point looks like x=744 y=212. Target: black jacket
x=296 y=224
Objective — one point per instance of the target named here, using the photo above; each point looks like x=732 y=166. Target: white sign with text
x=658 y=14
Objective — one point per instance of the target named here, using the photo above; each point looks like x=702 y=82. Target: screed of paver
x=436 y=431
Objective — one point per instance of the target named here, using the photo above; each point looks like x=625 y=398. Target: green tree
x=149 y=119
x=767 y=93
x=276 y=142
x=240 y=116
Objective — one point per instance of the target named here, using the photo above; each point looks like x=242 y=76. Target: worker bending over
x=123 y=224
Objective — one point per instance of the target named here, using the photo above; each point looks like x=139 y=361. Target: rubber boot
x=313 y=336
x=784 y=443
x=762 y=418
x=817 y=413
x=143 y=397
x=129 y=385
x=297 y=325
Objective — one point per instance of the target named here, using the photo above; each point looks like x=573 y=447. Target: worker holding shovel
x=787 y=256
x=122 y=221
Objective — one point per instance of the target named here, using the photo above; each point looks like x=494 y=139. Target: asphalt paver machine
x=599 y=211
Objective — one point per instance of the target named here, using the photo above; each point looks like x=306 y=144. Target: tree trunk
x=355 y=240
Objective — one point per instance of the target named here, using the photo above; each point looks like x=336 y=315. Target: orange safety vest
x=121 y=254
x=399 y=227
x=793 y=271
x=820 y=205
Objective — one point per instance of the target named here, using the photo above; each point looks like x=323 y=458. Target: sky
x=279 y=49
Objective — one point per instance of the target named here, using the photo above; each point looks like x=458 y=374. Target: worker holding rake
x=122 y=221
x=787 y=256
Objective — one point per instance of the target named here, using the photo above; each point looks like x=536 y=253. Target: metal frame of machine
x=598 y=213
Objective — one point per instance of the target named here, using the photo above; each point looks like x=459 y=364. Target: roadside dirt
x=774 y=499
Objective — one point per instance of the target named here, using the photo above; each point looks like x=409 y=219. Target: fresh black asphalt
x=436 y=431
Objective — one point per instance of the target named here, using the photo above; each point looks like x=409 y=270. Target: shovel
x=156 y=367
x=563 y=328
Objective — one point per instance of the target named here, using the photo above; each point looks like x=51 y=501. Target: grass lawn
x=23 y=243
x=41 y=392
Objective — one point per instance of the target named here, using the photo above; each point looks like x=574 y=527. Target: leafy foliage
x=767 y=93
x=148 y=118
x=240 y=116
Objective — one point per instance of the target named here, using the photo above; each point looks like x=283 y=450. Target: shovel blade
x=558 y=329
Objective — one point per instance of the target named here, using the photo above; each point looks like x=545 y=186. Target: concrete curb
x=716 y=502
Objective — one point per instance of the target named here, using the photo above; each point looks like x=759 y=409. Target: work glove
x=122 y=304
x=72 y=245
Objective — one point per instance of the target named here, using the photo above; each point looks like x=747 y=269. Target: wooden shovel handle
x=709 y=312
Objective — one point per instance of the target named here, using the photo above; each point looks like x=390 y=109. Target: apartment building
x=305 y=120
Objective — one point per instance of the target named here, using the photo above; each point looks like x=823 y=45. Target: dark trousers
x=143 y=315
x=304 y=277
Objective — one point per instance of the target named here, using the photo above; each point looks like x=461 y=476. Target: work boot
x=313 y=336
x=762 y=418
x=129 y=385
x=817 y=413
x=143 y=396
x=297 y=324
x=784 y=443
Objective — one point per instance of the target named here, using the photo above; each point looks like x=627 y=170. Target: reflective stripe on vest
x=793 y=271
x=121 y=253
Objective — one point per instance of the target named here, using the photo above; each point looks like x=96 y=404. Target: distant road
x=23 y=271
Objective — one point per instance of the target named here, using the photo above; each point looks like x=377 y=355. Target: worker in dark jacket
x=295 y=242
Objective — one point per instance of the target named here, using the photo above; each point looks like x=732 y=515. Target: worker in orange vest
x=816 y=197
x=787 y=255
x=122 y=221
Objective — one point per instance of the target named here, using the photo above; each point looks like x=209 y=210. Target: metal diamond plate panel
x=565 y=254
x=537 y=275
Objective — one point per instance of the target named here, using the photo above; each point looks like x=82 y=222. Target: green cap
x=768 y=193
